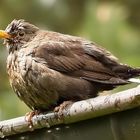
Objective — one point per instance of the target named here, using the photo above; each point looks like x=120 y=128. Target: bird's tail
x=126 y=72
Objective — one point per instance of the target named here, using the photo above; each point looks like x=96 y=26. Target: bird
x=48 y=70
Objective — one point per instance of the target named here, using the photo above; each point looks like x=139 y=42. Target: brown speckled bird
x=46 y=68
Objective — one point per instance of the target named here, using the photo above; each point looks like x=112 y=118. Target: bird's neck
x=14 y=47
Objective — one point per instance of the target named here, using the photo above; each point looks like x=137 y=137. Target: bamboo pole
x=78 y=111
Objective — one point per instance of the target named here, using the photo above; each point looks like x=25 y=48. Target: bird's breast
x=16 y=68
x=26 y=76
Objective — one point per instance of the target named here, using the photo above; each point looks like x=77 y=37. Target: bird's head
x=17 y=33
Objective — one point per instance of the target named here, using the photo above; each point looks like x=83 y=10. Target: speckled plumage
x=46 y=68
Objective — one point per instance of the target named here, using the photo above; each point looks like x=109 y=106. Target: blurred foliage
x=112 y=24
x=133 y=10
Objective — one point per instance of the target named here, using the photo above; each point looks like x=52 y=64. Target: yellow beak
x=4 y=35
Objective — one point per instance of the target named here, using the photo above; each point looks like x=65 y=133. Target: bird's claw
x=59 y=109
x=29 y=116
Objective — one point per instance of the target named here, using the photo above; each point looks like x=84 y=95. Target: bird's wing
x=100 y=54
x=60 y=57
x=79 y=59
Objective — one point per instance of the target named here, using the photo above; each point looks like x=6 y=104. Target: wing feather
x=79 y=58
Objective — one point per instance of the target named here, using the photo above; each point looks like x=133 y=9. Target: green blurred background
x=114 y=24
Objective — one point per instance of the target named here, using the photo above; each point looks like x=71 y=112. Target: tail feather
x=126 y=72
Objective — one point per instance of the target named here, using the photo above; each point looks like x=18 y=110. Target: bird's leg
x=62 y=106
x=30 y=115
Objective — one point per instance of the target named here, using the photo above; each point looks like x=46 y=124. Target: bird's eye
x=21 y=33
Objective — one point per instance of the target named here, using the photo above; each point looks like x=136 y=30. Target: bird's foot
x=59 y=109
x=30 y=115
